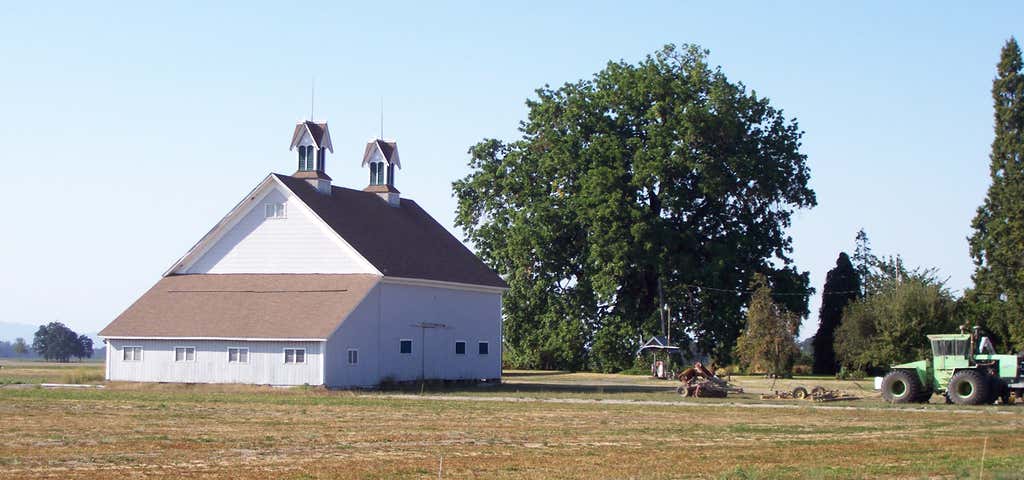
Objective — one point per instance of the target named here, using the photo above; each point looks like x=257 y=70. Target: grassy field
x=535 y=425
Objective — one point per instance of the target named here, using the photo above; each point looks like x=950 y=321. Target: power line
x=746 y=290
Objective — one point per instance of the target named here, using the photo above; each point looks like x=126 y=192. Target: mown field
x=536 y=425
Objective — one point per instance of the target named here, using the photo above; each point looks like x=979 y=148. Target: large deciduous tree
x=997 y=244
x=842 y=285
x=55 y=341
x=657 y=173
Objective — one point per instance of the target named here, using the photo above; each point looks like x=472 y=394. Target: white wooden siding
x=265 y=367
x=299 y=243
x=388 y=314
x=359 y=331
x=466 y=315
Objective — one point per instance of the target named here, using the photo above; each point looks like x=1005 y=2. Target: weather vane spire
x=312 y=97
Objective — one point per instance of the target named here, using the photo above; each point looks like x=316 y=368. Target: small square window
x=405 y=346
x=238 y=355
x=353 y=356
x=460 y=348
x=274 y=210
x=184 y=354
x=132 y=354
x=295 y=355
x=484 y=348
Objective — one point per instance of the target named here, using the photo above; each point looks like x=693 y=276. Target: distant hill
x=10 y=331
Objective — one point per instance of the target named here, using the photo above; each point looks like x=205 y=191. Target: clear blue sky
x=128 y=130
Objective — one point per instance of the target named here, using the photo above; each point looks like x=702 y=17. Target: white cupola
x=382 y=157
x=312 y=140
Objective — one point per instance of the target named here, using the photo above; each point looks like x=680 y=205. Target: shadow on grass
x=534 y=373
x=528 y=387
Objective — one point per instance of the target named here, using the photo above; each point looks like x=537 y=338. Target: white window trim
x=348 y=357
x=126 y=347
x=240 y=349
x=400 y=340
x=285 y=352
x=465 y=347
x=185 y=355
x=482 y=342
x=274 y=205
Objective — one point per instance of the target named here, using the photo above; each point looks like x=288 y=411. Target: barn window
x=353 y=356
x=132 y=354
x=238 y=355
x=275 y=210
x=405 y=346
x=184 y=354
x=295 y=355
x=484 y=347
x=460 y=348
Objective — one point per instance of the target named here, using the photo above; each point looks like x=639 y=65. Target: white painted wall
x=386 y=315
x=359 y=331
x=299 y=243
x=467 y=315
x=265 y=367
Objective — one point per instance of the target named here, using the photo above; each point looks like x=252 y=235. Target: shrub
x=802 y=369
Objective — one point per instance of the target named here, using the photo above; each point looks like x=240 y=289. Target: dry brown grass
x=133 y=430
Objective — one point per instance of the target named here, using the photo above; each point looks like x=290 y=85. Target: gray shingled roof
x=401 y=241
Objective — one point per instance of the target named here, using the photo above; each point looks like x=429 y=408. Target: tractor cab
x=949 y=353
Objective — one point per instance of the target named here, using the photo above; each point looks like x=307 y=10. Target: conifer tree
x=997 y=244
x=842 y=285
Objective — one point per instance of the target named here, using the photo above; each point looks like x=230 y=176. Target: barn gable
x=272 y=231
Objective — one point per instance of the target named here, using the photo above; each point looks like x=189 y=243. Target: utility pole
x=661 y=309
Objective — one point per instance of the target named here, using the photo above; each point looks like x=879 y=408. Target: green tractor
x=964 y=368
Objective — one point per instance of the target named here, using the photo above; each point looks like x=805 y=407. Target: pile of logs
x=699 y=381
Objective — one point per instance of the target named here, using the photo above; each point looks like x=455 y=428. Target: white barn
x=304 y=282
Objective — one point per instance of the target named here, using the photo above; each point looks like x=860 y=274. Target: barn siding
x=359 y=331
x=299 y=243
x=266 y=363
x=471 y=316
x=387 y=315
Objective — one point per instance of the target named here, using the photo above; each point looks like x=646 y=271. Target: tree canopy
x=890 y=324
x=842 y=285
x=657 y=173
x=997 y=243
x=57 y=342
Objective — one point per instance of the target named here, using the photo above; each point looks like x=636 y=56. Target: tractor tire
x=799 y=393
x=970 y=387
x=901 y=386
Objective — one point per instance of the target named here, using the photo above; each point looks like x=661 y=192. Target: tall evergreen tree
x=997 y=244
x=842 y=286
x=863 y=259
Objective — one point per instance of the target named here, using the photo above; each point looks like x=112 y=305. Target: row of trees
x=875 y=312
x=57 y=342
